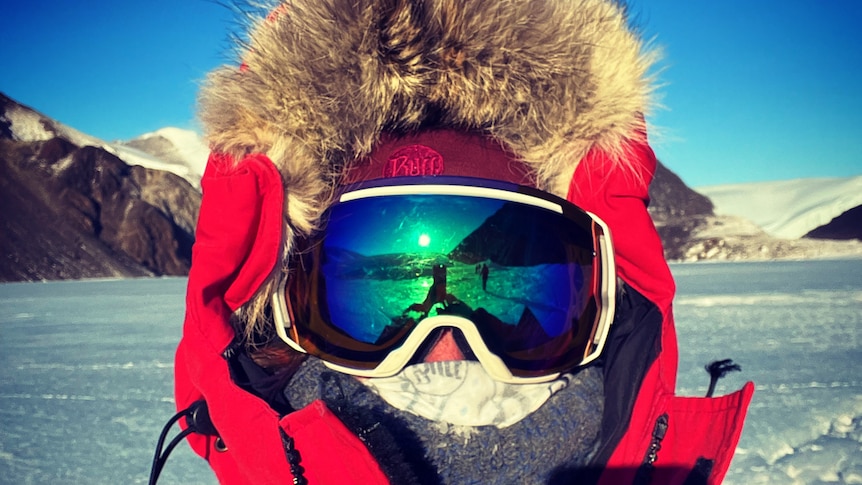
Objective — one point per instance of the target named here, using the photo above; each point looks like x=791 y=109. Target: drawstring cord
x=197 y=420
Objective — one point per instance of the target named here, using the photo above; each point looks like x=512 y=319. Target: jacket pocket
x=698 y=439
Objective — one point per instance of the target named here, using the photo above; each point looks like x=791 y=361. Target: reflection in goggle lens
x=522 y=274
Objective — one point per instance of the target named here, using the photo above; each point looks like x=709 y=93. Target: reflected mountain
x=514 y=236
x=518 y=235
x=343 y=263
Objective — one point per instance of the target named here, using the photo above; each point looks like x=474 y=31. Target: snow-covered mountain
x=75 y=206
x=182 y=152
x=795 y=219
x=787 y=209
x=174 y=150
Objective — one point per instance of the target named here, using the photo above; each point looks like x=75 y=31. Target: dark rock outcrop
x=846 y=226
x=80 y=212
x=677 y=211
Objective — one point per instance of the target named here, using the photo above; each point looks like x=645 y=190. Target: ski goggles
x=526 y=277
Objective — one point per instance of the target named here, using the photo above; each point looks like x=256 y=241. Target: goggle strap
x=282 y=315
x=608 y=287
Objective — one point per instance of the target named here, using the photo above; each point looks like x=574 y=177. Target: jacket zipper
x=644 y=473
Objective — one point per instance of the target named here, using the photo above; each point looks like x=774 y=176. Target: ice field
x=86 y=372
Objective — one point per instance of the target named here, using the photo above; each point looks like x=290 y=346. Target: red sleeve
x=238 y=240
x=237 y=243
x=619 y=195
x=699 y=428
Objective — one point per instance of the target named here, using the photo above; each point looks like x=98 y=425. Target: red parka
x=647 y=428
x=561 y=85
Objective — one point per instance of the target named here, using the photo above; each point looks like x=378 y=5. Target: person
x=484 y=277
x=436 y=292
x=331 y=138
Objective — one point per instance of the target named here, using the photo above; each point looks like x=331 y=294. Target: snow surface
x=86 y=372
x=787 y=208
x=794 y=328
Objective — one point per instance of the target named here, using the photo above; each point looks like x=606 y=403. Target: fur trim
x=323 y=79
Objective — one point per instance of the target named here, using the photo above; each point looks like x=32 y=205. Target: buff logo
x=413 y=160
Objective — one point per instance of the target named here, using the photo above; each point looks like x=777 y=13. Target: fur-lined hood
x=321 y=80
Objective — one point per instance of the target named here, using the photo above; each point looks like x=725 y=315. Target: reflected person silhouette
x=436 y=293
x=485 y=277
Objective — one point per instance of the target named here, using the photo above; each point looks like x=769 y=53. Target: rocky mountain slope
x=73 y=209
x=848 y=225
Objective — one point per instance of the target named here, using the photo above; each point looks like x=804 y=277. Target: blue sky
x=752 y=90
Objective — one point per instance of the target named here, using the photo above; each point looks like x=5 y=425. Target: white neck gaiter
x=462 y=393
